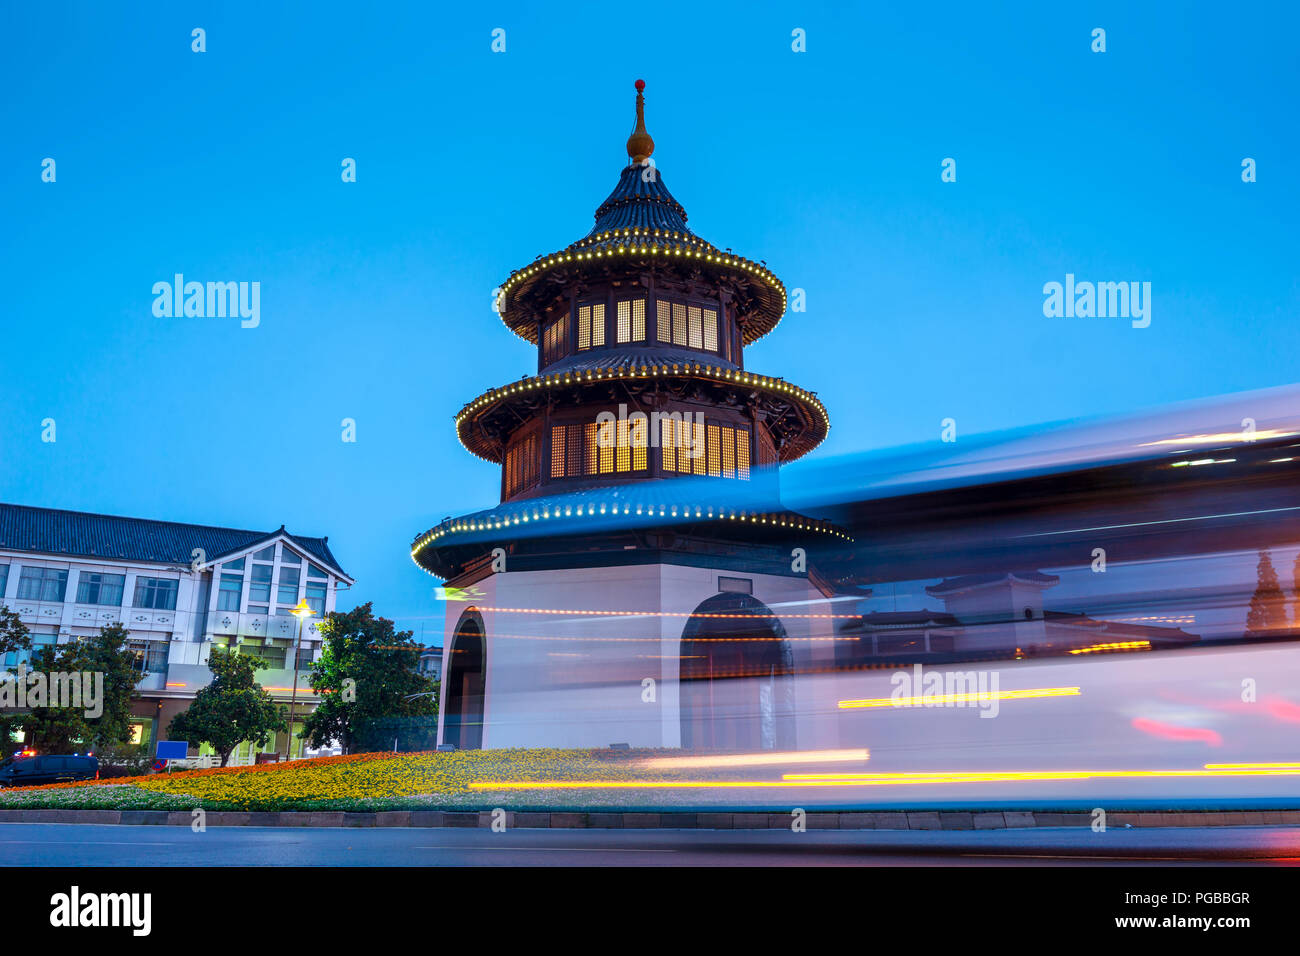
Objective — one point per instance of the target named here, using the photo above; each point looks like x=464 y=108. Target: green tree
x=13 y=639
x=231 y=709
x=366 y=672
x=1267 y=614
x=62 y=729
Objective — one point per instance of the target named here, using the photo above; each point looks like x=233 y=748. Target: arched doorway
x=736 y=677
x=464 y=685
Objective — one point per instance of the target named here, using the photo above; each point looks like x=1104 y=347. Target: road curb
x=664 y=820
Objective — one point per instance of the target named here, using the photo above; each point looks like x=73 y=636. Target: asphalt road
x=53 y=844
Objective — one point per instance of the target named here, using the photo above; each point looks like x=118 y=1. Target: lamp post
x=300 y=612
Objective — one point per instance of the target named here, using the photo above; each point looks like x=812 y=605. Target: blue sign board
x=172 y=749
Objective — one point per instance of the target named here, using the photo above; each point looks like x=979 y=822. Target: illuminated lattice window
x=624 y=447
x=630 y=324
x=639 y=438
x=555 y=340
x=728 y=453
x=668 y=443
x=723 y=451
x=680 y=449
x=521 y=471
x=638 y=320
x=591 y=326
x=557 y=451
x=584 y=327
x=679 y=324
x=715 y=451
x=576 y=456
x=697 y=448
x=691 y=326
x=592 y=460
x=607 y=438
x=599 y=448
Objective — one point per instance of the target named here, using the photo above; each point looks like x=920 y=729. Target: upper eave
x=539 y=388
x=644 y=248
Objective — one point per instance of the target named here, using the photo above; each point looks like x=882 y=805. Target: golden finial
x=639 y=144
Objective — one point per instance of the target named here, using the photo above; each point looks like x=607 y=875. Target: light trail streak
x=936 y=777
x=936 y=700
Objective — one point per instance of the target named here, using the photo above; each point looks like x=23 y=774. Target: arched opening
x=736 y=685
x=463 y=687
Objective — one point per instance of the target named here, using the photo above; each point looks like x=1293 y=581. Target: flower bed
x=360 y=781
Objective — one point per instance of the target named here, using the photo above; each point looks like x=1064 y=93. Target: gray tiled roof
x=634 y=357
x=79 y=534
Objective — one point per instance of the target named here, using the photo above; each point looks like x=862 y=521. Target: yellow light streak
x=935 y=700
x=1113 y=646
x=879 y=779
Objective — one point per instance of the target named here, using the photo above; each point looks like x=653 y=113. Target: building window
x=4 y=579
x=287 y=592
x=40 y=640
x=266 y=554
x=259 y=589
x=150 y=656
x=231 y=592
x=681 y=446
x=521 y=466
x=42 y=584
x=316 y=596
x=156 y=593
x=274 y=656
x=591 y=326
x=315 y=572
x=738 y=585
x=631 y=320
x=721 y=451
x=289 y=557
x=555 y=339
x=96 y=588
x=593 y=449
x=691 y=326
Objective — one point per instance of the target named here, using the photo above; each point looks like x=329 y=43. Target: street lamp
x=303 y=610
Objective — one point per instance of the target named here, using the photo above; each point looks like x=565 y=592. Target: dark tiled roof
x=641 y=222
x=633 y=358
x=79 y=534
x=980 y=580
x=650 y=503
x=640 y=201
x=1123 y=629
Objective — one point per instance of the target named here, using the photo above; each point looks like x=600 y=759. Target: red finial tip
x=640 y=85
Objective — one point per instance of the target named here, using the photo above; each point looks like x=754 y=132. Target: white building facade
x=180 y=590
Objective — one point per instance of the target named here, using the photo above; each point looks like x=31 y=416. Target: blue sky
x=924 y=298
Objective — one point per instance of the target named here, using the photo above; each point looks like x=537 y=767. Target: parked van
x=19 y=771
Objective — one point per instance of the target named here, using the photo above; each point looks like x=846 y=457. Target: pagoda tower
x=639 y=582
